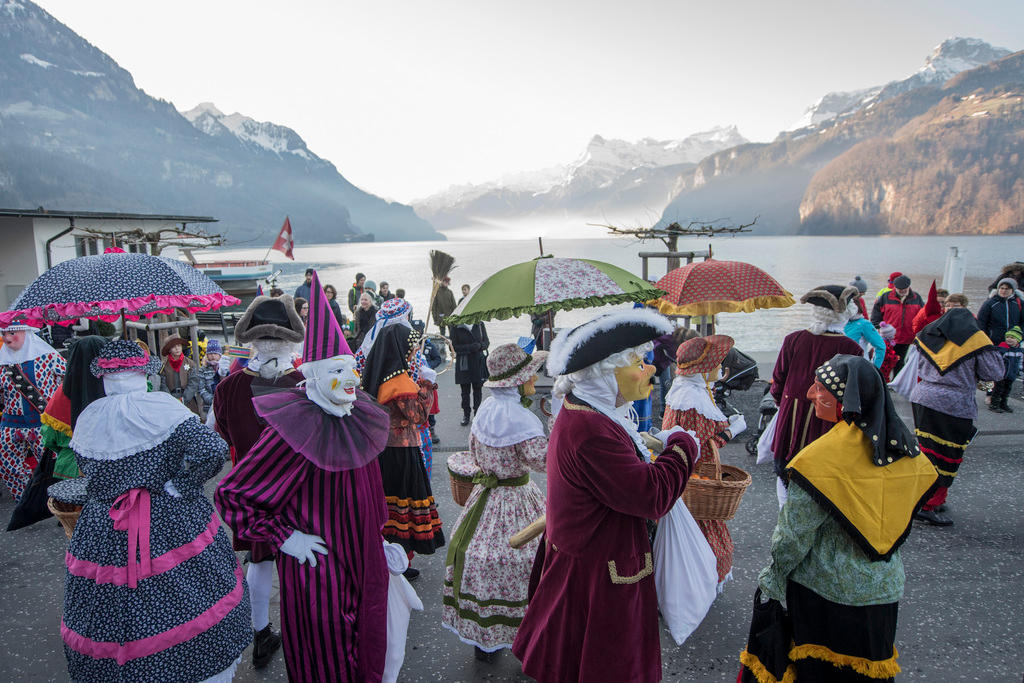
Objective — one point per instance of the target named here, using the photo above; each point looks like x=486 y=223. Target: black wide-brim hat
x=270 y=318
x=604 y=336
x=834 y=297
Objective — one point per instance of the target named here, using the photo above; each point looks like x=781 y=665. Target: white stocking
x=260 y=577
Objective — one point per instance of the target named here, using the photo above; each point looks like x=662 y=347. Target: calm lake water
x=798 y=263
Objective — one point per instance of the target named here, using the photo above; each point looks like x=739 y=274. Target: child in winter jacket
x=209 y=377
x=888 y=333
x=1013 y=357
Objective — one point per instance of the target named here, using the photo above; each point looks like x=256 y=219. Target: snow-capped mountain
x=76 y=133
x=609 y=176
x=949 y=58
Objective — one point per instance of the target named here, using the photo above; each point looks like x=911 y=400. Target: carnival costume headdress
x=585 y=359
x=327 y=420
x=388 y=359
x=33 y=348
x=690 y=389
x=951 y=340
x=503 y=418
x=829 y=306
x=270 y=318
x=865 y=470
x=391 y=312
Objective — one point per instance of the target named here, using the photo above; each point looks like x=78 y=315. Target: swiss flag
x=284 y=241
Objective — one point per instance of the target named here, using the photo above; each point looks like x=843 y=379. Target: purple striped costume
x=334 y=615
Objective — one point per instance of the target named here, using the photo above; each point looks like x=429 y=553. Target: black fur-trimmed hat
x=270 y=318
x=834 y=297
x=594 y=341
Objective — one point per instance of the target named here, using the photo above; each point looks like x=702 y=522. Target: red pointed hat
x=323 y=333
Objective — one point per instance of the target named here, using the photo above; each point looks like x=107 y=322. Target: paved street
x=960 y=620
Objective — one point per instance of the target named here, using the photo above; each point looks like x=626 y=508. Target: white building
x=33 y=240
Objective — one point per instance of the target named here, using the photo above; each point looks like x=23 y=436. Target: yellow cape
x=951 y=353
x=874 y=504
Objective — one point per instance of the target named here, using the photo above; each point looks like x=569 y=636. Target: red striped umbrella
x=709 y=287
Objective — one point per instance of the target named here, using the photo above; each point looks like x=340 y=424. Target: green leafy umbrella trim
x=641 y=295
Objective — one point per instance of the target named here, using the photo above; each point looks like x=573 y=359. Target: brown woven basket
x=462 y=486
x=718 y=496
x=66 y=514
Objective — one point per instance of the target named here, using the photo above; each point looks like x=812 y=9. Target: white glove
x=223 y=366
x=171 y=489
x=737 y=424
x=303 y=547
x=397 y=559
x=665 y=434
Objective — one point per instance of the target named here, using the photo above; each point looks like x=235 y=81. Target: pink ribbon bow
x=130 y=513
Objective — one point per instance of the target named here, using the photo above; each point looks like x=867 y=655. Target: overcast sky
x=408 y=97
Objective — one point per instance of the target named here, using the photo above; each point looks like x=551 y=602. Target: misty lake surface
x=798 y=263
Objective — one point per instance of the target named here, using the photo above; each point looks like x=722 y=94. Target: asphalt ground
x=961 y=619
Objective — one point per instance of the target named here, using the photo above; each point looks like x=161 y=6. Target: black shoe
x=411 y=574
x=482 y=656
x=933 y=517
x=465 y=420
x=265 y=643
x=1005 y=407
x=433 y=436
x=941 y=508
x=995 y=408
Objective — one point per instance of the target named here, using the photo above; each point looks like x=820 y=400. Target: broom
x=440 y=265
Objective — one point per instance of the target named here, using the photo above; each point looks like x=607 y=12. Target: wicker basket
x=718 y=496
x=462 y=486
x=66 y=514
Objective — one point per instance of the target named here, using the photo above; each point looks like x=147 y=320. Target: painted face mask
x=331 y=384
x=634 y=380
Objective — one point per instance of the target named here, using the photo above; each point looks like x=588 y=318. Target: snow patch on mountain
x=262 y=134
x=32 y=59
x=949 y=58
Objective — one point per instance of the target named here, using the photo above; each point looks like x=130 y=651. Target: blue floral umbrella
x=110 y=285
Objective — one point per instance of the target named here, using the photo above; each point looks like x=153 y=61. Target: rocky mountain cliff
x=77 y=134
x=869 y=168
x=610 y=179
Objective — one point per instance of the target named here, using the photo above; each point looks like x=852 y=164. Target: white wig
x=825 y=319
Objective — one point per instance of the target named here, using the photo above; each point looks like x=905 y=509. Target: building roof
x=101 y=215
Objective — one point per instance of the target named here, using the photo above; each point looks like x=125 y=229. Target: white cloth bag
x=402 y=600
x=685 y=572
x=906 y=380
x=764 y=442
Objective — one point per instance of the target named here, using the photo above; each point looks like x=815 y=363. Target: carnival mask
x=14 y=340
x=635 y=381
x=331 y=384
x=826 y=405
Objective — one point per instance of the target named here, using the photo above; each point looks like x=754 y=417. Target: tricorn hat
x=270 y=318
x=834 y=297
x=608 y=334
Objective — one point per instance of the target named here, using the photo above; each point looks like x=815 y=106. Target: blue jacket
x=997 y=315
x=863 y=329
x=1012 y=358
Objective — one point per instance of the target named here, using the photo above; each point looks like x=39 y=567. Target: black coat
x=365 y=318
x=470 y=353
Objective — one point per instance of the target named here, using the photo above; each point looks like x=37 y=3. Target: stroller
x=740 y=373
x=766 y=410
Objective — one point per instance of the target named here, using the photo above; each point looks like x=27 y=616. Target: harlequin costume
x=802 y=351
x=689 y=405
x=413 y=521
x=953 y=355
x=593 y=608
x=835 y=556
x=486 y=580
x=28 y=378
x=273 y=327
x=153 y=591
x=311 y=488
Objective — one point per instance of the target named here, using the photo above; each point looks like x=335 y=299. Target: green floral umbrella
x=550 y=284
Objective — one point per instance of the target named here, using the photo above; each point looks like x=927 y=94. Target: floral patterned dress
x=707 y=431
x=486 y=580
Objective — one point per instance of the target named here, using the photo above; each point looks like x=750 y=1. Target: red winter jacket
x=899 y=314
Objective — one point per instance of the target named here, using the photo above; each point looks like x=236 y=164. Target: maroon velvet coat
x=239 y=425
x=802 y=353
x=593 y=615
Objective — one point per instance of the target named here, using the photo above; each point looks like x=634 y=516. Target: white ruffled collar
x=503 y=421
x=690 y=392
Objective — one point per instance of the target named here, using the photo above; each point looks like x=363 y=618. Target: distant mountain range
x=611 y=180
x=938 y=152
x=77 y=134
